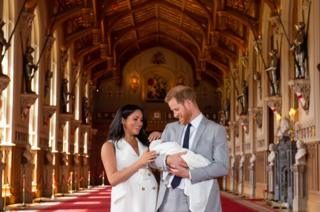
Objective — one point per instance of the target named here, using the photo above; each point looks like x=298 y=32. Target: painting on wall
x=156 y=88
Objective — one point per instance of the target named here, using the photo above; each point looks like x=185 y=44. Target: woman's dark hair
x=116 y=131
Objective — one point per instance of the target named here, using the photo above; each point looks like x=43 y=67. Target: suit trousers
x=174 y=201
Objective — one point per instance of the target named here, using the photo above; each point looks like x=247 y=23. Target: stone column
x=240 y=183
x=1 y=168
x=224 y=183
x=47 y=174
x=27 y=167
x=232 y=183
x=64 y=174
x=299 y=170
x=253 y=175
x=271 y=171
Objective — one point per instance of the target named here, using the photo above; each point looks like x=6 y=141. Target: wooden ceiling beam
x=225 y=69
x=94 y=63
x=87 y=50
x=125 y=13
x=69 y=14
x=166 y=37
x=133 y=23
x=239 y=42
x=230 y=55
x=158 y=21
x=77 y=35
x=245 y=20
x=213 y=75
x=100 y=74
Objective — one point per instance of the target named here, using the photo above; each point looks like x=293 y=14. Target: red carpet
x=95 y=201
x=99 y=200
x=229 y=205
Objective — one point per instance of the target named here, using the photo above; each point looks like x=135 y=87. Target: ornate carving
x=275 y=22
x=85 y=160
x=96 y=36
x=48 y=157
x=158 y=58
x=26 y=156
x=284 y=129
x=274 y=103
x=48 y=111
x=4 y=82
x=26 y=101
x=244 y=123
x=253 y=159
x=74 y=124
x=64 y=117
x=222 y=118
x=94 y=131
x=256 y=113
x=300 y=157
x=301 y=87
x=27 y=19
x=85 y=127
x=235 y=127
x=76 y=159
x=64 y=159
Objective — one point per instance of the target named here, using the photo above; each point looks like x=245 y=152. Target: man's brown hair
x=181 y=93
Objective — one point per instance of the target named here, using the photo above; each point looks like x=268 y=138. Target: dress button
x=154 y=188
x=143 y=189
x=149 y=174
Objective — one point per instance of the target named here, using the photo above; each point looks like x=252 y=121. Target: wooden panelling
x=313 y=166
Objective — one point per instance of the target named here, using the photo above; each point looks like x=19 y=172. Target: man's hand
x=179 y=171
x=175 y=160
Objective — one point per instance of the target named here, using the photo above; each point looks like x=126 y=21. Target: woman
x=125 y=157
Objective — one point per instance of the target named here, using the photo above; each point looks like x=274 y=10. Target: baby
x=198 y=192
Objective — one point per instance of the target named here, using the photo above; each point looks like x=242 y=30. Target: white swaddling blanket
x=198 y=193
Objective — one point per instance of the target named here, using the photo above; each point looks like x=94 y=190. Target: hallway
x=97 y=199
x=67 y=66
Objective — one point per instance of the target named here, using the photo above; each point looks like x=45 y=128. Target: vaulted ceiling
x=209 y=34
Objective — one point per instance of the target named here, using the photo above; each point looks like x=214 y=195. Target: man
x=200 y=135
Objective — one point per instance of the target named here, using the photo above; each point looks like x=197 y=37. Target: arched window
x=6 y=98
x=34 y=114
x=52 y=93
x=85 y=143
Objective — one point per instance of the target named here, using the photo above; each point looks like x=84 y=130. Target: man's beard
x=186 y=118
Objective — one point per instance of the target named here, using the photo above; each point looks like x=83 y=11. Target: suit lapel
x=180 y=134
x=198 y=134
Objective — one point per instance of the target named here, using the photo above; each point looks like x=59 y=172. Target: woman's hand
x=154 y=136
x=147 y=157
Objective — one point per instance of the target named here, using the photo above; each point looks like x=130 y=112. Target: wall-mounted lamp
x=292 y=112
x=134 y=83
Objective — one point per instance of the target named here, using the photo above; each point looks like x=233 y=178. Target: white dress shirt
x=193 y=130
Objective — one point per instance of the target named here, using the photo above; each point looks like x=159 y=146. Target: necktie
x=176 y=180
